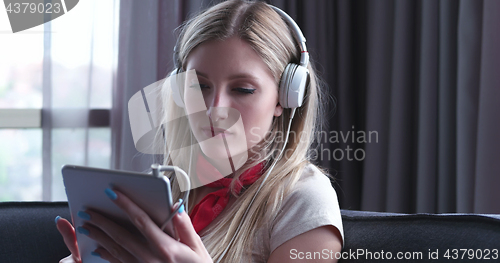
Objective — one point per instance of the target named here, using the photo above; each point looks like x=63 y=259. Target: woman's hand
x=119 y=245
x=69 y=236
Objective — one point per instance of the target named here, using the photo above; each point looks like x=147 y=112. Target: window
x=55 y=98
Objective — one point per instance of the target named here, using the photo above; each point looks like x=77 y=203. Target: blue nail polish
x=110 y=194
x=57 y=218
x=82 y=230
x=83 y=215
x=93 y=253
x=181 y=209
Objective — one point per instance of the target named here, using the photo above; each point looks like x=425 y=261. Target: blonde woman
x=272 y=205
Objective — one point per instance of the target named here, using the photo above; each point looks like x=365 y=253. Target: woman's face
x=239 y=94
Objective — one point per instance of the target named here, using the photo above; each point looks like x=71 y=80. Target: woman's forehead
x=232 y=57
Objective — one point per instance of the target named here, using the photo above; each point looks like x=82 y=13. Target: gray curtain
x=419 y=74
x=145 y=40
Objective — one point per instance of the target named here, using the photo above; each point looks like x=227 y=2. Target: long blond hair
x=269 y=35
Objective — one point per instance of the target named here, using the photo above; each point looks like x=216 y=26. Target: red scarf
x=213 y=203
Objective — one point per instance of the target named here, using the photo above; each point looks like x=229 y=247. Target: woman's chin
x=215 y=153
x=219 y=156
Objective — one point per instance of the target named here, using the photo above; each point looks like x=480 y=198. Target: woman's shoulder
x=313 y=172
x=314 y=181
x=312 y=203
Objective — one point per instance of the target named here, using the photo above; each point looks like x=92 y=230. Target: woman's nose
x=217 y=113
x=218 y=106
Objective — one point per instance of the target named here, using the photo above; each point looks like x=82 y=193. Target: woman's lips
x=214 y=132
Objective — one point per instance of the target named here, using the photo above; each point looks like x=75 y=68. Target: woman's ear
x=278 y=110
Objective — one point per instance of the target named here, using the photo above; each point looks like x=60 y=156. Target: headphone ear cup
x=175 y=84
x=293 y=86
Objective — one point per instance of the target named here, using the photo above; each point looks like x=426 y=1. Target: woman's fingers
x=108 y=243
x=167 y=249
x=68 y=233
x=68 y=259
x=118 y=241
x=104 y=254
x=185 y=230
x=141 y=220
x=188 y=236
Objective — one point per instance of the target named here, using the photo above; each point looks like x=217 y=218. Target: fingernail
x=93 y=253
x=83 y=215
x=181 y=209
x=110 y=194
x=57 y=218
x=82 y=230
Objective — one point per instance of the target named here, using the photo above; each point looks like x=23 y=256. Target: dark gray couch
x=28 y=234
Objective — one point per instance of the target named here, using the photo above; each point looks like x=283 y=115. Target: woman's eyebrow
x=235 y=76
x=243 y=76
x=201 y=74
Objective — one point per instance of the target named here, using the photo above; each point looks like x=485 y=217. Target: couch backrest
x=420 y=235
x=28 y=234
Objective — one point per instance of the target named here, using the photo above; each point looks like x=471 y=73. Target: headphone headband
x=304 y=55
x=299 y=37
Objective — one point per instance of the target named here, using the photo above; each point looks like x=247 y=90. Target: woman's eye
x=200 y=86
x=245 y=90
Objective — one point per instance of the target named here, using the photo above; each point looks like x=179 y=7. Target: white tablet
x=85 y=188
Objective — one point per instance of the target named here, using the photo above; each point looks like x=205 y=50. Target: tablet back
x=85 y=188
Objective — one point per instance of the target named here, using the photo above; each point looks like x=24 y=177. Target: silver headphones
x=293 y=81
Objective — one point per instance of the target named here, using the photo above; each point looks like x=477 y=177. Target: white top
x=312 y=204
